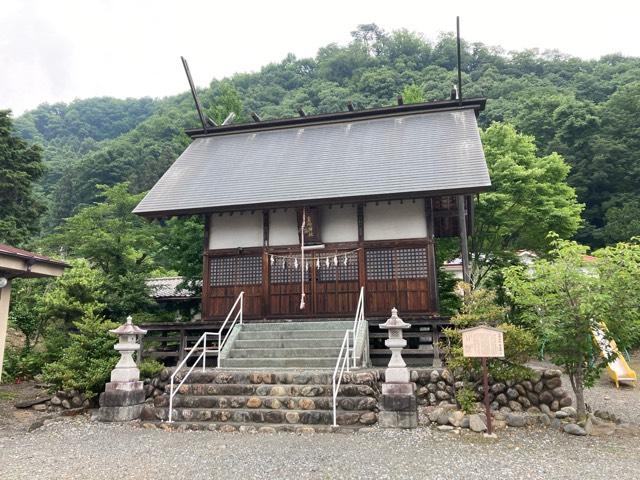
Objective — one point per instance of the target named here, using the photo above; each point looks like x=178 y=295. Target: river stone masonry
x=267 y=401
x=542 y=393
x=300 y=401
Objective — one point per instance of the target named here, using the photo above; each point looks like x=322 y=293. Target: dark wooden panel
x=397 y=277
x=445 y=215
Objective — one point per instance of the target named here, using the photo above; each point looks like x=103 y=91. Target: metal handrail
x=336 y=379
x=343 y=361
x=221 y=341
x=357 y=322
x=203 y=356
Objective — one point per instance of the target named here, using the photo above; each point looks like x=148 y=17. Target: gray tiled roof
x=406 y=153
x=167 y=287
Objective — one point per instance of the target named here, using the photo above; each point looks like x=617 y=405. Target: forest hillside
x=586 y=110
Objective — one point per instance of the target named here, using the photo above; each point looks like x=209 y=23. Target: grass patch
x=7 y=395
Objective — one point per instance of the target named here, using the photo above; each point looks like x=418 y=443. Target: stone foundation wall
x=361 y=397
x=543 y=393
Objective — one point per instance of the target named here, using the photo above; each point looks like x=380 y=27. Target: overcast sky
x=61 y=50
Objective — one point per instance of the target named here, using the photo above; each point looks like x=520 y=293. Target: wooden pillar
x=266 y=281
x=362 y=270
x=141 y=351
x=5 y=298
x=464 y=247
x=434 y=299
x=182 y=345
x=204 y=297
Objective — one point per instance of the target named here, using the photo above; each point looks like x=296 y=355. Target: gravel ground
x=75 y=447
x=624 y=402
x=78 y=448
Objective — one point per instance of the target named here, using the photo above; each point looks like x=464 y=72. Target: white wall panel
x=235 y=231
x=395 y=221
x=283 y=227
x=339 y=224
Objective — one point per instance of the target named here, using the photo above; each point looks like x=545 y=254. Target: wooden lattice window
x=410 y=262
x=241 y=270
x=389 y=264
x=341 y=272
x=283 y=270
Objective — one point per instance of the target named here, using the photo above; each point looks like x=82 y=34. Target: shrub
x=149 y=368
x=479 y=307
x=466 y=399
x=86 y=363
x=20 y=364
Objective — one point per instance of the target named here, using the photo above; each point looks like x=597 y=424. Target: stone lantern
x=396 y=371
x=123 y=397
x=126 y=369
x=398 y=405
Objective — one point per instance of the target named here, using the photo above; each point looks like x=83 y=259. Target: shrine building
x=305 y=214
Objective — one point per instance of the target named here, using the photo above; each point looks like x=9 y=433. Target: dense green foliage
x=149 y=368
x=529 y=197
x=479 y=307
x=586 y=110
x=562 y=298
x=85 y=364
x=20 y=167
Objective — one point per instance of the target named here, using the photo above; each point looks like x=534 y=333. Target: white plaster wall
x=339 y=224
x=283 y=227
x=394 y=221
x=235 y=231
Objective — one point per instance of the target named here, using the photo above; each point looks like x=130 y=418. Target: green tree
x=20 y=167
x=182 y=241
x=86 y=363
x=36 y=304
x=562 y=298
x=529 y=196
x=413 y=94
x=118 y=243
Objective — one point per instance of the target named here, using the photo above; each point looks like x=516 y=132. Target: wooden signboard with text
x=482 y=341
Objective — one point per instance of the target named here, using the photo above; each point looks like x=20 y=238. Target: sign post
x=483 y=342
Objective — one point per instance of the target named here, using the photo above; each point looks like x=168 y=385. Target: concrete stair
x=303 y=345
x=270 y=400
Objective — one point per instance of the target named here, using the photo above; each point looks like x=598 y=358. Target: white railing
x=222 y=341
x=344 y=357
x=203 y=356
x=357 y=322
x=342 y=363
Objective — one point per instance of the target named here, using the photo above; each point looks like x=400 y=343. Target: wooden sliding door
x=397 y=277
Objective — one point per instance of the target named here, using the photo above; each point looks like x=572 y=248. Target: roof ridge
x=475 y=103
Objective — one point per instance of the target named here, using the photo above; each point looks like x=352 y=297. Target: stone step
x=285 y=353
x=271 y=377
x=289 y=334
x=293 y=326
x=304 y=417
x=253 y=427
x=294 y=362
x=263 y=390
x=289 y=343
x=353 y=403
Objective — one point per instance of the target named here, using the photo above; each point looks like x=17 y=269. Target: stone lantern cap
x=128 y=329
x=394 y=321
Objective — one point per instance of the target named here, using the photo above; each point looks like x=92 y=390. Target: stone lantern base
x=398 y=406
x=121 y=401
x=123 y=397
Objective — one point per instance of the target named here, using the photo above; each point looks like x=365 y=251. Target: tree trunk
x=577 y=383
